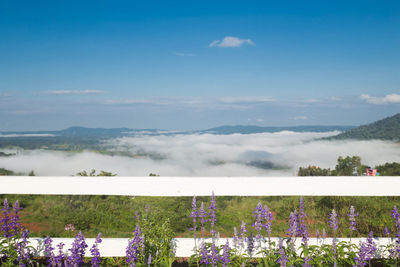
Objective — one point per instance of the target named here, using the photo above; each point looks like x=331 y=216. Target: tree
x=389 y=169
x=349 y=166
x=93 y=173
x=313 y=171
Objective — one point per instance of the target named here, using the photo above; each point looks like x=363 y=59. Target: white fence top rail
x=116 y=247
x=202 y=186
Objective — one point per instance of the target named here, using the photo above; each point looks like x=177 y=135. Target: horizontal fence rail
x=197 y=186
x=115 y=247
x=203 y=186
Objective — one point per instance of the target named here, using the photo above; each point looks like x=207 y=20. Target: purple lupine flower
x=214 y=255
x=96 y=260
x=135 y=247
x=250 y=244
x=258 y=214
x=283 y=259
x=194 y=215
x=334 y=250
x=203 y=217
x=48 y=252
x=6 y=225
x=243 y=231
x=225 y=254
x=77 y=250
x=235 y=238
x=317 y=234
x=149 y=260
x=293 y=224
x=333 y=221
x=323 y=233
x=212 y=215
x=302 y=227
x=268 y=217
x=205 y=258
x=23 y=250
x=367 y=251
x=396 y=217
x=15 y=225
x=352 y=218
x=60 y=256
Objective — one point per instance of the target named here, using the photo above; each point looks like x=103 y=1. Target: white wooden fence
x=196 y=186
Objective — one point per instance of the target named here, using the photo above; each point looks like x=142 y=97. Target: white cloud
x=207 y=155
x=184 y=54
x=230 y=41
x=300 y=118
x=247 y=99
x=387 y=99
x=72 y=92
x=5 y=95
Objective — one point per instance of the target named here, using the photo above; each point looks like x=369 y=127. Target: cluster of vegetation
x=350 y=166
x=152 y=243
x=47 y=215
x=385 y=129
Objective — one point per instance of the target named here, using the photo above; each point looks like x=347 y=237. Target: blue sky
x=197 y=64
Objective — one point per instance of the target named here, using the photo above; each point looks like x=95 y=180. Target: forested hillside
x=385 y=129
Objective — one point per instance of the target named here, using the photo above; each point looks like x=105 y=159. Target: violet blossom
x=203 y=217
x=225 y=254
x=205 y=258
x=212 y=215
x=135 y=247
x=60 y=256
x=293 y=224
x=283 y=259
x=243 y=231
x=214 y=255
x=77 y=251
x=194 y=214
x=333 y=221
x=352 y=218
x=48 y=252
x=367 y=251
x=23 y=250
x=94 y=251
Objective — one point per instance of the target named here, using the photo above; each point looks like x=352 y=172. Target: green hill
x=385 y=129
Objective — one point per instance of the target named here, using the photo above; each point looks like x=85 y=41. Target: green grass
x=113 y=216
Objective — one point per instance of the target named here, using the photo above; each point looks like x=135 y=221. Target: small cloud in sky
x=247 y=99
x=335 y=98
x=310 y=100
x=130 y=101
x=4 y=95
x=387 y=99
x=179 y=54
x=297 y=118
x=230 y=41
x=72 y=92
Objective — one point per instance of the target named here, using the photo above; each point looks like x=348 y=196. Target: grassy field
x=114 y=216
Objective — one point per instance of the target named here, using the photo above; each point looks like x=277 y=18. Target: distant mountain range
x=385 y=129
x=83 y=132
x=243 y=129
x=117 y=132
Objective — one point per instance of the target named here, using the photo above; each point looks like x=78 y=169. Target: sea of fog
x=263 y=154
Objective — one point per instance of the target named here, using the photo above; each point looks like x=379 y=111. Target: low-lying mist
x=264 y=154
